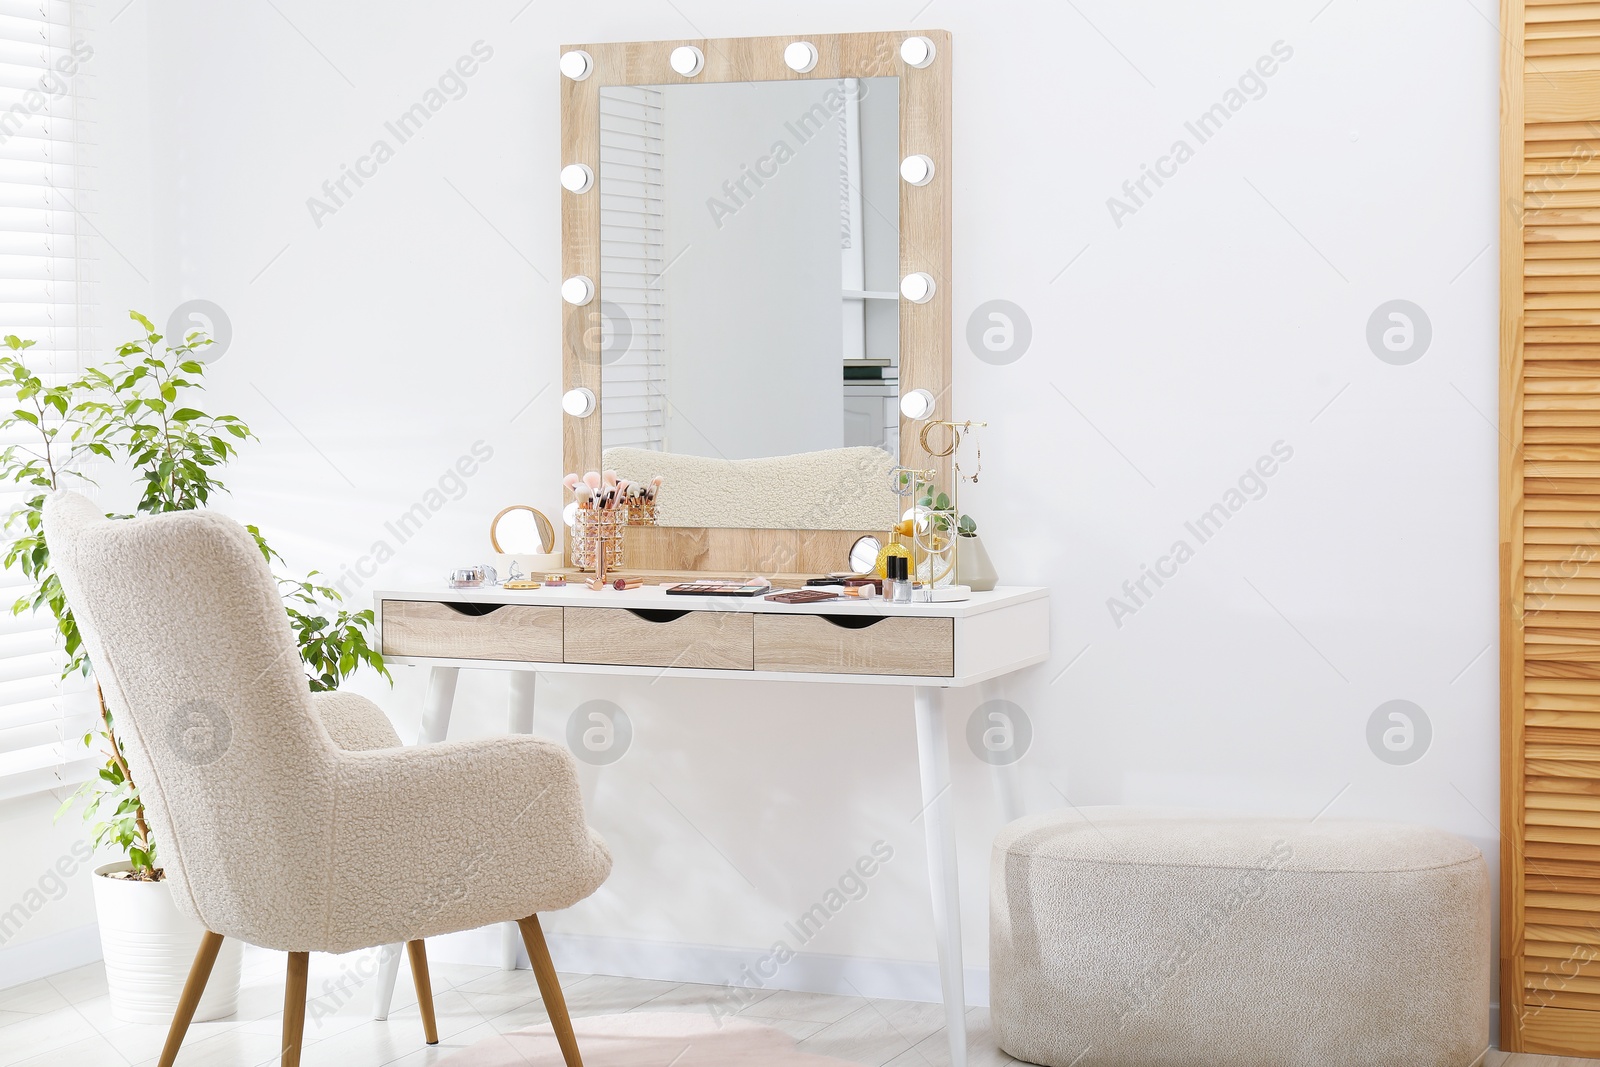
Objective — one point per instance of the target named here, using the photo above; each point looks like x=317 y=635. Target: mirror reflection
x=520 y=529
x=750 y=305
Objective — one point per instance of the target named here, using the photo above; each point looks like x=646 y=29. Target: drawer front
x=659 y=638
x=819 y=644
x=508 y=632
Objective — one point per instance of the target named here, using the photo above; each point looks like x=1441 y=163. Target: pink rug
x=645 y=1039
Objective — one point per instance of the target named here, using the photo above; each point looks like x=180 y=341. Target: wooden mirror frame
x=925 y=225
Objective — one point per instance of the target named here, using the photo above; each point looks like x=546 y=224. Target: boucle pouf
x=1122 y=937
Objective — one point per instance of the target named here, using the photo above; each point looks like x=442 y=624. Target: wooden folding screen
x=1550 y=527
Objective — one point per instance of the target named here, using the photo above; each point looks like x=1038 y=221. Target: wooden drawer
x=659 y=637
x=471 y=631
x=856 y=644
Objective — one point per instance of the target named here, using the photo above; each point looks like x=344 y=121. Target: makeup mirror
x=521 y=530
x=748 y=231
x=864 y=554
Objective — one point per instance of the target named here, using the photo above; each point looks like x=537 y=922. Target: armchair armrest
x=354 y=722
x=438 y=838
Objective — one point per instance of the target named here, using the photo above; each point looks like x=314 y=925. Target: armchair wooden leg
x=193 y=988
x=418 y=954
x=555 y=1005
x=294 y=1007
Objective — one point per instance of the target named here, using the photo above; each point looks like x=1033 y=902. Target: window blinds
x=632 y=259
x=45 y=69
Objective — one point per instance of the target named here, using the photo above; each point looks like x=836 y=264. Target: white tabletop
x=576 y=594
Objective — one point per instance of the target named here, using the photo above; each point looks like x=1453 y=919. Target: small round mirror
x=521 y=530
x=864 y=554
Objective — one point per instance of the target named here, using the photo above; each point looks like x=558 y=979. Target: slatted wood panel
x=632 y=260
x=1550 y=528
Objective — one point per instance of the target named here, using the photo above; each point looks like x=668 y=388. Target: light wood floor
x=66 y=1021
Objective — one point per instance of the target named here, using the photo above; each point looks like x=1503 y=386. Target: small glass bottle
x=902 y=585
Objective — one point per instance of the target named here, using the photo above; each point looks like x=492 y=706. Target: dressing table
x=924 y=647
x=747 y=225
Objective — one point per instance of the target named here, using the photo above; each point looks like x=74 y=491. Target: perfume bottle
x=890 y=551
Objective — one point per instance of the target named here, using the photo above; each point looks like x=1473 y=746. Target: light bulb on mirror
x=578 y=178
x=916 y=170
x=917 y=405
x=688 y=60
x=577 y=64
x=577 y=290
x=918 y=288
x=916 y=519
x=917 y=52
x=579 y=402
x=801 y=57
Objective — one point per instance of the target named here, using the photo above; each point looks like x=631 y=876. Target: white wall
x=1168 y=354
x=742 y=258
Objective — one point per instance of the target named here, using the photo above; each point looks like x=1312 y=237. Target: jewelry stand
x=927 y=535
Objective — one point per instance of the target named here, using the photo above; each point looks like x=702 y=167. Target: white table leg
x=523 y=686
x=933 y=755
x=1007 y=785
x=388 y=971
x=436 y=707
x=437 y=704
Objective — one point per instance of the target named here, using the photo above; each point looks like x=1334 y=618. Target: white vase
x=974 y=569
x=149 y=945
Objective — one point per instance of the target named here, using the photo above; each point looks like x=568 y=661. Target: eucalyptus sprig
x=942 y=514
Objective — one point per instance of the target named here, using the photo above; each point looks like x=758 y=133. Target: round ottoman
x=1125 y=937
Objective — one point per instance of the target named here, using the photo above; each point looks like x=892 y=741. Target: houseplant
x=131 y=412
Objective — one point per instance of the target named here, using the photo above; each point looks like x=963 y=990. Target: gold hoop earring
x=954 y=443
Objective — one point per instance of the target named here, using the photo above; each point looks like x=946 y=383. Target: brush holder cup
x=597 y=539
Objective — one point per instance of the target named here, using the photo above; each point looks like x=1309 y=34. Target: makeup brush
x=571 y=481
x=592 y=480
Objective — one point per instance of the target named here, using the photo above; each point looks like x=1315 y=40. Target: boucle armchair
x=298 y=822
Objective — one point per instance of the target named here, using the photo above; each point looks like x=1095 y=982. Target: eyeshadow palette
x=717 y=589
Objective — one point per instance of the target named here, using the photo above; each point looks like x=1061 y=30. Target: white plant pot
x=149 y=946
